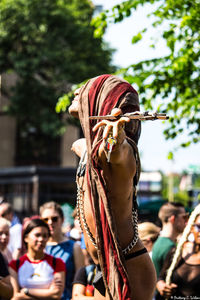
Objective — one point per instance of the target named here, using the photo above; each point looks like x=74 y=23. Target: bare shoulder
x=79 y=147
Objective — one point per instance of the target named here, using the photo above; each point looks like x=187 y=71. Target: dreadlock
x=182 y=240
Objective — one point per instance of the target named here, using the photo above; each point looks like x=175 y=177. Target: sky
x=153 y=146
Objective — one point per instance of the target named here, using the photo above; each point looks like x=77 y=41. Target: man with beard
x=173 y=217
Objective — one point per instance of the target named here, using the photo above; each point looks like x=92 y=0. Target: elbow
x=57 y=294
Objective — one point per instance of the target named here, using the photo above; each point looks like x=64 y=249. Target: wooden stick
x=134 y=116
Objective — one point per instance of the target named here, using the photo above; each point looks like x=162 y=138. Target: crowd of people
x=51 y=264
x=47 y=259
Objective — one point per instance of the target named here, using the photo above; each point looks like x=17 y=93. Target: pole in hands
x=136 y=115
x=116 y=118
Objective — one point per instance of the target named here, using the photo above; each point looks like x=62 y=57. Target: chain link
x=135 y=227
x=81 y=215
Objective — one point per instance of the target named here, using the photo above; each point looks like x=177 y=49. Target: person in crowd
x=180 y=275
x=25 y=222
x=4 y=239
x=59 y=245
x=6 y=290
x=173 y=217
x=37 y=275
x=83 y=282
x=107 y=176
x=148 y=233
x=15 y=244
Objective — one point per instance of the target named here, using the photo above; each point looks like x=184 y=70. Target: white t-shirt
x=37 y=274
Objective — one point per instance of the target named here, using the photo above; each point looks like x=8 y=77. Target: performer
x=107 y=175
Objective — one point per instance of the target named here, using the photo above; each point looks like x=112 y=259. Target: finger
x=98 y=125
x=106 y=131
x=168 y=287
x=116 y=130
x=118 y=127
x=116 y=112
x=124 y=119
x=167 y=291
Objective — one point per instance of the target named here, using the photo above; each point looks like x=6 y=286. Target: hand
x=112 y=126
x=57 y=283
x=164 y=289
x=19 y=296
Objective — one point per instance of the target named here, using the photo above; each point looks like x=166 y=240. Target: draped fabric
x=98 y=97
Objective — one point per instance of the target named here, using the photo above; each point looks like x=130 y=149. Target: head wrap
x=98 y=97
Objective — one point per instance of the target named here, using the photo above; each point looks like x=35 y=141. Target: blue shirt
x=64 y=251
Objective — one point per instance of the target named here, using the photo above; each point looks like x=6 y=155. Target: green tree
x=49 y=45
x=171 y=80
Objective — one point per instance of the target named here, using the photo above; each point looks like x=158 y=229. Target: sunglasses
x=53 y=219
x=197 y=227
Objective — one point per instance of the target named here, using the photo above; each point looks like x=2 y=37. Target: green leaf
x=63 y=103
x=136 y=38
x=170 y=156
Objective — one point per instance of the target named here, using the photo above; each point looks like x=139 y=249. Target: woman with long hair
x=37 y=275
x=60 y=246
x=180 y=275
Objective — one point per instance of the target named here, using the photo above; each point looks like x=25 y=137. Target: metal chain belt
x=81 y=215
